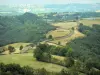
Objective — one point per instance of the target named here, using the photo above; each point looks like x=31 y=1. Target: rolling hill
x=23 y=28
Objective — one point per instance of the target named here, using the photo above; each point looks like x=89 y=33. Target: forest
x=23 y=28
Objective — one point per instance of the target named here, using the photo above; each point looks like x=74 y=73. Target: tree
x=59 y=43
x=21 y=47
x=69 y=52
x=42 y=53
x=11 y=49
x=50 y=37
x=72 y=28
x=46 y=57
x=38 y=53
x=69 y=61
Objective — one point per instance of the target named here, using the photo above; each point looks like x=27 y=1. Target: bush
x=93 y=71
x=50 y=37
x=21 y=47
x=68 y=72
x=11 y=49
x=57 y=61
x=69 y=62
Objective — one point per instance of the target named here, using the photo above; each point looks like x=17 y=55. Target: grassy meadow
x=65 y=25
x=90 y=22
x=17 y=45
x=28 y=59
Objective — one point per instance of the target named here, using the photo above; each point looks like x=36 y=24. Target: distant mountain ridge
x=75 y=7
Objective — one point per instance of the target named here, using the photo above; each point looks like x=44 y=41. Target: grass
x=58 y=33
x=28 y=59
x=58 y=57
x=62 y=30
x=17 y=45
x=90 y=22
x=65 y=25
x=66 y=40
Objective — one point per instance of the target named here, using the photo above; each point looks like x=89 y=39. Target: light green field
x=58 y=33
x=17 y=45
x=28 y=59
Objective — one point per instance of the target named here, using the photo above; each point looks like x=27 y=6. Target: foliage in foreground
x=16 y=69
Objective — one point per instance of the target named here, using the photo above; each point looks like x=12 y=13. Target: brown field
x=17 y=45
x=65 y=25
x=66 y=40
x=58 y=33
x=68 y=26
x=90 y=22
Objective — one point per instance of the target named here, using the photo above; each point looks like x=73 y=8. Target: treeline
x=16 y=69
x=66 y=16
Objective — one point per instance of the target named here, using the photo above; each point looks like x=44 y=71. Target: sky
x=47 y=1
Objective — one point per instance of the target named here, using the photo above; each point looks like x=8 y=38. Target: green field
x=17 y=45
x=28 y=59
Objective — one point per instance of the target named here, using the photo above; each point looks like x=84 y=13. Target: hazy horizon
x=2 y=2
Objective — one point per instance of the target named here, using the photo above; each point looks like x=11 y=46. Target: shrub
x=50 y=37
x=11 y=49
x=69 y=62
x=21 y=47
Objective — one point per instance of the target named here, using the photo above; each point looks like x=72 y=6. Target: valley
x=66 y=47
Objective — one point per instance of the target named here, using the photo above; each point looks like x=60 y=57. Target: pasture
x=66 y=28
x=28 y=59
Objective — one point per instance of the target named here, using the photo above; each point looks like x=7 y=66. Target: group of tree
x=16 y=69
x=11 y=49
x=42 y=53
